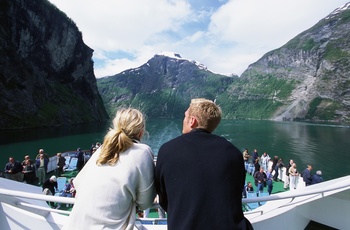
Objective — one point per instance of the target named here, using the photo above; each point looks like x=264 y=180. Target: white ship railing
x=339 y=185
x=315 y=192
x=33 y=196
x=286 y=195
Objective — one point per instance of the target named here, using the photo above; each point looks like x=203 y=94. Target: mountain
x=162 y=87
x=306 y=79
x=312 y=70
x=46 y=70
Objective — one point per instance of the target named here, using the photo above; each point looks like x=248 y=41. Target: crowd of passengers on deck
x=266 y=170
x=36 y=171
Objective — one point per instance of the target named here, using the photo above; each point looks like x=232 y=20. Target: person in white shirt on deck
x=265 y=158
x=117 y=178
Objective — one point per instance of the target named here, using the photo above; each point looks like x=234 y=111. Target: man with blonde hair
x=201 y=175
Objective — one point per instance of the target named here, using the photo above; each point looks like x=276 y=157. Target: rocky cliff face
x=317 y=64
x=46 y=71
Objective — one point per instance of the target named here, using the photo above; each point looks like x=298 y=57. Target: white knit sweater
x=107 y=195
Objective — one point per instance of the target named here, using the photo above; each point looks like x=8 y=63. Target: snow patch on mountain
x=171 y=55
x=338 y=10
x=200 y=66
x=178 y=56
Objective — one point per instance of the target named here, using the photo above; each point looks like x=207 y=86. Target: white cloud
x=226 y=36
x=112 y=67
x=263 y=22
x=123 y=24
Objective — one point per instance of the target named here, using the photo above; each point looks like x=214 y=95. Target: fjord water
x=324 y=146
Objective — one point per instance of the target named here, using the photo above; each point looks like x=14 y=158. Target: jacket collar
x=195 y=130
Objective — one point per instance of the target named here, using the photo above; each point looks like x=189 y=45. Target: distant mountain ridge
x=306 y=79
x=162 y=87
x=178 y=56
x=47 y=79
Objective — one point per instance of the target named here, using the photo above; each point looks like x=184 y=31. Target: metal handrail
x=155 y=221
x=317 y=191
x=34 y=196
x=295 y=194
x=24 y=204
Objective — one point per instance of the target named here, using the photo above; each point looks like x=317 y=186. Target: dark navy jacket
x=199 y=179
x=46 y=163
x=316 y=179
x=307 y=177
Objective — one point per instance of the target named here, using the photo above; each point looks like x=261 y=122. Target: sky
x=224 y=35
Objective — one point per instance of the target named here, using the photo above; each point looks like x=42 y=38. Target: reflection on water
x=18 y=143
x=161 y=131
x=323 y=146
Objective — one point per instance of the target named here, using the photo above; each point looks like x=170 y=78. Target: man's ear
x=193 y=122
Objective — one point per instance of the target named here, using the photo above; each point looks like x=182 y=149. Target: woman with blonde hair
x=293 y=176
x=117 y=178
